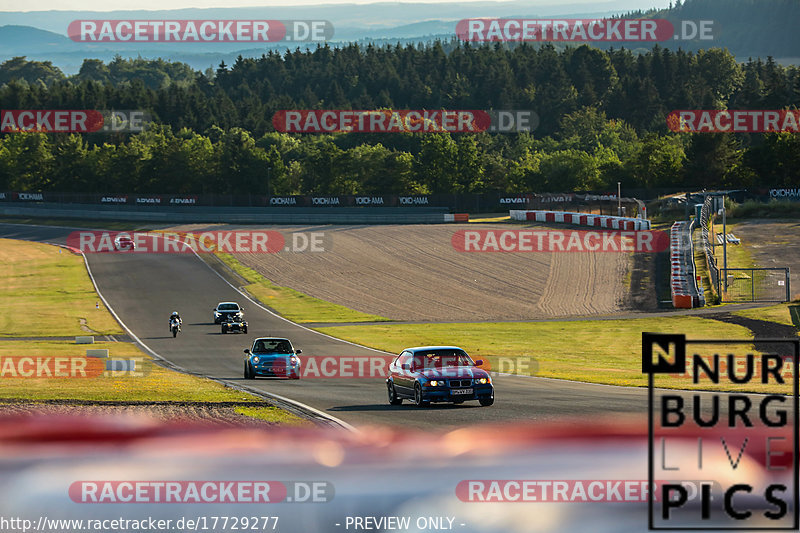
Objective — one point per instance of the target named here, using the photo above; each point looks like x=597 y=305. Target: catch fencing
x=740 y=284
x=708 y=247
x=755 y=284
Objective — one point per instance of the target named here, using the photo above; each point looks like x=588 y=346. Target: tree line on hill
x=602 y=120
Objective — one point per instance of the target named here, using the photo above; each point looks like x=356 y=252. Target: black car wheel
x=394 y=399
x=224 y=329
x=486 y=402
x=249 y=373
x=244 y=329
x=418 y=401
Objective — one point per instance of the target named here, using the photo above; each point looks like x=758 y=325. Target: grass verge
x=489 y=219
x=150 y=382
x=292 y=304
x=786 y=314
x=54 y=294
x=46 y=293
x=599 y=351
x=772 y=209
x=739 y=255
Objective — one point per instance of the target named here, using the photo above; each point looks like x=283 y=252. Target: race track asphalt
x=144 y=288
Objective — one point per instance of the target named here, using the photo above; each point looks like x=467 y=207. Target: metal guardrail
x=221 y=215
x=708 y=246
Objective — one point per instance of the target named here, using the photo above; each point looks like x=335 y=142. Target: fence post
x=752 y=285
x=788 y=292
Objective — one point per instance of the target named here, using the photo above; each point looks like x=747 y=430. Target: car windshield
x=228 y=307
x=272 y=346
x=441 y=359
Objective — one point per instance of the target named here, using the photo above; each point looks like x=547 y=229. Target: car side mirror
x=405 y=366
x=247 y=350
x=479 y=362
x=298 y=352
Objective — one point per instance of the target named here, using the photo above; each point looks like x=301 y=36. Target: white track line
x=337 y=420
x=258 y=304
x=319 y=413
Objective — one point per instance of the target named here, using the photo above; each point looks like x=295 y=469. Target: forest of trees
x=602 y=120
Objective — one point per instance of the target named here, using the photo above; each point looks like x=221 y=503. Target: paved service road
x=143 y=289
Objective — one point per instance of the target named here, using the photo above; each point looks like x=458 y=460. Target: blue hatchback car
x=438 y=374
x=272 y=356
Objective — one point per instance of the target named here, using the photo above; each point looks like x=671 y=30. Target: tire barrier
x=581 y=219
x=683 y=282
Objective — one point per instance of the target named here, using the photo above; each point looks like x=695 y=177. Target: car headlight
x=216 y=313
x=293 y=360
x=483 y=381
x=437 y=383
x=256 y=359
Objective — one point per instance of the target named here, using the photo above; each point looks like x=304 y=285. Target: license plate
x=460 y=391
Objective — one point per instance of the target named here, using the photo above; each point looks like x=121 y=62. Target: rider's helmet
x=174 y=313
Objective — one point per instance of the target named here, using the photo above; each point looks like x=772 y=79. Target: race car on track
x=272 y=356
x=225 y=309
x=231 y=323
x=438 y=374
x=123 y=242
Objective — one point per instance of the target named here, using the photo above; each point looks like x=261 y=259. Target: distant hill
x=748 y=28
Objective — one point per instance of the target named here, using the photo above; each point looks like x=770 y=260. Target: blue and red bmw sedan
x=438 y=374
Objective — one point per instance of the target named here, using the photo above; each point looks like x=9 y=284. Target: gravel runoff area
x=220 y=413
x=413 y=273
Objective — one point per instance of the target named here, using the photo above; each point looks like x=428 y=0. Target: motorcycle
x=174 y=326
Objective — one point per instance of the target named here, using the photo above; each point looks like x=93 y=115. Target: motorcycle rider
x=175 y=316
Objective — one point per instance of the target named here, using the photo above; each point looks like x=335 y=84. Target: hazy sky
x=106 y=5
